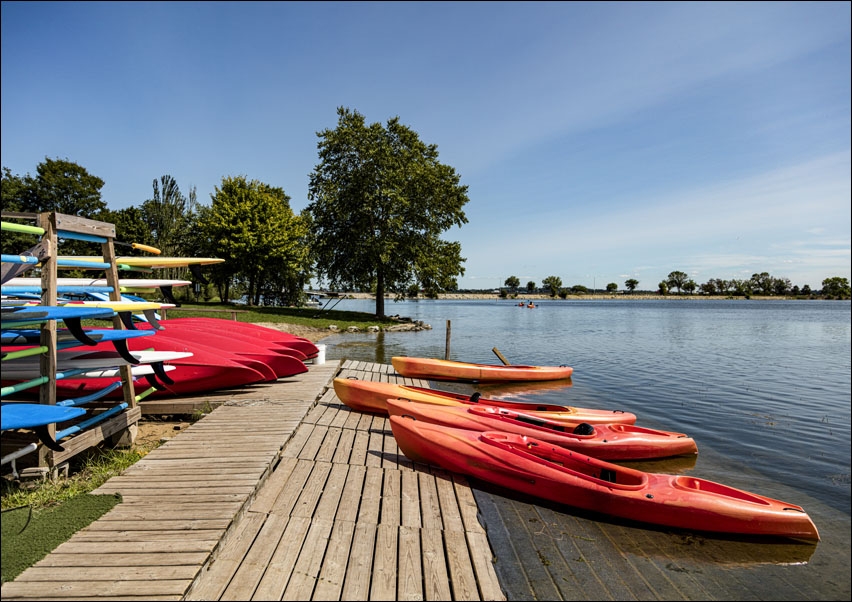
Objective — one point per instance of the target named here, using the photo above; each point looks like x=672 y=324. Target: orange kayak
x=602 y=441
x=551 y=472
x=370 y=396
x=435 y=369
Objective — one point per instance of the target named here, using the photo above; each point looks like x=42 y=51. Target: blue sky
x=599 y=141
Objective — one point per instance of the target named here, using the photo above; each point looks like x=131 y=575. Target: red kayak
x=282 y=364
x=259 y=333
x=209 y=369
x=437 y=369
x=235 y=334
x=370 y=396
x=602 y=441
x=551 y=472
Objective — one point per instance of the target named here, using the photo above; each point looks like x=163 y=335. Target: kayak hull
x=603 y=441
x=553 y=473
x=370 y=396
x=448 y=370
x=261 y=334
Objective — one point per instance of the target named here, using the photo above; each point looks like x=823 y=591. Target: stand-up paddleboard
x=66 y=339
x=34 y=314
x=14 y=290
x=42 y=313
x=36 y=417
x=19 y=286
x=122 y=282
x=144 y=262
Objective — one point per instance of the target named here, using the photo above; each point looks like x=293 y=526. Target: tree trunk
x=380 y=294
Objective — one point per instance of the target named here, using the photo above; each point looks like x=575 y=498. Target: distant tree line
x=762 y=284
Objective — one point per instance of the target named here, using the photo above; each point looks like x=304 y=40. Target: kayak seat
x=607 y=475
x=584 y=428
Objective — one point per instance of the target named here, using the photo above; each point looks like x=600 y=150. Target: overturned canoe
x=436 y=369
x=551 y=472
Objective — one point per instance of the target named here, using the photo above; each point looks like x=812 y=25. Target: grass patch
x=37 y=519
x=28 y=535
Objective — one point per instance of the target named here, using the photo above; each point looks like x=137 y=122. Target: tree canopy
x=58 y=186
x=252 y=227
x=379 y=201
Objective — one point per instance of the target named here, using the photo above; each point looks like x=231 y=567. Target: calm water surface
x=762 y=386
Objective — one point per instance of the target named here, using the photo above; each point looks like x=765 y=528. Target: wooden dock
x=283 y=493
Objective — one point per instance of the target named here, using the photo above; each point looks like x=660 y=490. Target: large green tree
x=677 y=279
x=836 y=286
x=252 y=227
x=552 y=283
x=379 y=202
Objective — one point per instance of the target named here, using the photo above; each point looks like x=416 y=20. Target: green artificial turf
x=29 y=535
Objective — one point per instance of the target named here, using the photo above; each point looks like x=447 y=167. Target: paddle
x=500 y=355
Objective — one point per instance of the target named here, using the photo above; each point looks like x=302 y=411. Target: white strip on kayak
x=29 y=367
x=140 y=370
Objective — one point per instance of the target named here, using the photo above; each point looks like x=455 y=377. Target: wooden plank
x=430 y=507
x=450 y=513
x=371 y=497
x=333 y=569
x=359 y=570
x=286 y=500
x=280 y=568
x=436 y=581
x=120 y=559
x=350 y=497
x=410 y=499
x=274 y=485
x=306 y=570
x=391 y=502
x=106 y=590
x=483 y=560
x=329 y=445
x=253 y=565
x=343 y=451
x=410 y=574
x=328 y=504
x=312 y=490
x=462 y=576
x=383 y=586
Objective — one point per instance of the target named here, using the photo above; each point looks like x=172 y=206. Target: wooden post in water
x=447 y=351
x=500 y=355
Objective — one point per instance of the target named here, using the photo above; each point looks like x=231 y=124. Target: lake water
x=762 y=386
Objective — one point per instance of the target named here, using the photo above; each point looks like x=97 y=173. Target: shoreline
x=583 y=297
